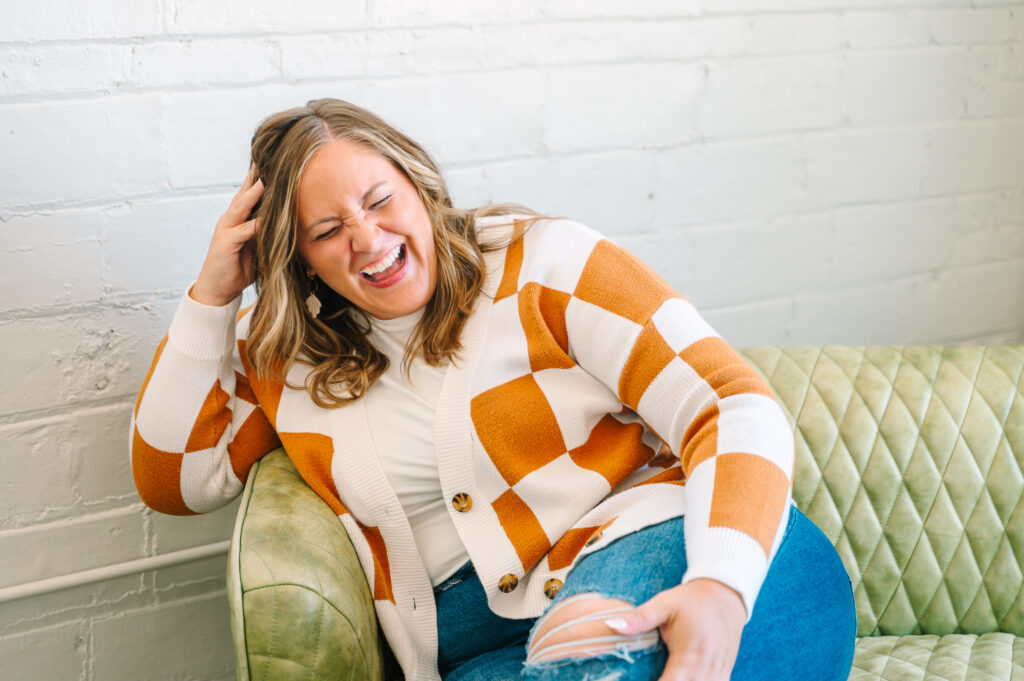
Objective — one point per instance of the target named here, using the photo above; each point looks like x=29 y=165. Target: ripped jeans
x=803 y=625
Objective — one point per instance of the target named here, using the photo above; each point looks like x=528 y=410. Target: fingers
x=250 y=178
x=242 y=204
x=645 y=617
x=241 y=234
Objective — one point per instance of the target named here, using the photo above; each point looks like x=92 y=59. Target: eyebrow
x=332 y=218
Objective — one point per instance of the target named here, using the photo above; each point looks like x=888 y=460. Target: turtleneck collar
x=399 y=327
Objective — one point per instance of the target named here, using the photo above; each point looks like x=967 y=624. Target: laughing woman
x=517 y=422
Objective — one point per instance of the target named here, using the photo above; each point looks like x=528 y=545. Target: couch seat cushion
x=960 y=657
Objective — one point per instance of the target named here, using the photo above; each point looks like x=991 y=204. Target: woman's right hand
x=230 y=263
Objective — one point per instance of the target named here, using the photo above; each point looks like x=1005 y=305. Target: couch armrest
x=300 y=605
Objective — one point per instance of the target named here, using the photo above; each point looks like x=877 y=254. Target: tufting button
x=508 y=583
x=462 y=502
x=551 y=587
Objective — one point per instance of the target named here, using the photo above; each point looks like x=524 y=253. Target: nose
x=364 y=234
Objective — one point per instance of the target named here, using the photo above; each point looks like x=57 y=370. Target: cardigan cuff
x=730 y=557
x=201 y=331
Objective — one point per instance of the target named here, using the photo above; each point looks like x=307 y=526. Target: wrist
x=196 y=293
x=722 y=593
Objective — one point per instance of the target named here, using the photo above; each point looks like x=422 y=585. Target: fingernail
x=617 y=623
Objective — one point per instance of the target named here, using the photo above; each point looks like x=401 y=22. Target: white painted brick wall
x=806 y=171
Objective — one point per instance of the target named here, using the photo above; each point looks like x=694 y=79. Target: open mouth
x=391 y=264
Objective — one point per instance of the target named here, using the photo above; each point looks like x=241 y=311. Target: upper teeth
x=383 y=264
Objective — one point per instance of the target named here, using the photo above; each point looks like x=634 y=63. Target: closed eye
x=326 y=235
x=381 y=203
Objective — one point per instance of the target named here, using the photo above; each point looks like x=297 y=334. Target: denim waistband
x=462 y=574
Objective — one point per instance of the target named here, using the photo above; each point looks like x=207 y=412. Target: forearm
x=182 y=420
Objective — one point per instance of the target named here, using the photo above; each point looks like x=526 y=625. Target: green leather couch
x=909 y=458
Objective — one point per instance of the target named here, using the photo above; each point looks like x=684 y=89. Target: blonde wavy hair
x=335 y=344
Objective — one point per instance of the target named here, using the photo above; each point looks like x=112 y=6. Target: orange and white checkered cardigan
x=589 y=400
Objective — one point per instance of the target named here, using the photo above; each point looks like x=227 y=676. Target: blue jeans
x=803 y=626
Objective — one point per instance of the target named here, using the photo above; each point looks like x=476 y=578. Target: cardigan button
x=551 y=587
x=508 y=583
x=594 y=539
x=462 y=502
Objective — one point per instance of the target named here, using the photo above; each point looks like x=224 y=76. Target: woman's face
x=364 y=230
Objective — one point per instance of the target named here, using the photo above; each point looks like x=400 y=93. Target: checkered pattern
x=599 y=400
x=584 y=330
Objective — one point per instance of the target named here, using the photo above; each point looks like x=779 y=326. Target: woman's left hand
x=700 y=622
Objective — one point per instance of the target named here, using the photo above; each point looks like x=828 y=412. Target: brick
x=96 y=442
x=469 y=186
x=504 y=119
x=57 y=20
x=914 y=238
x=821 y=5
x=192 y=580
x=1003 y=338
x=66 y=546
x=979 y=213
x=64 y=69
x=885 y=29
x=990 y=245
x=995 y=82
x=174 y=533
x=760 y=323
x=971 y=158
x=629 y=40
x=200 y=62
x=727 y=181
x=63 y=151
x=181 y=640
x=601 y=107
x=56 y=652
x=37 y=481
x=975 y=26
x=876 y=314
x=378 y=53
x=741 y=262
x=77 y=358
x=76 y=603
x=958 y=305
x=778 y=94
x=208 y=133
x=770 y=35
x=401 y=52
x=252 y=16
x=160 y=245
x=443 y=49
x=611 y=8
x=611 y=192
x=862 y=166
x=467 y=12
x=890 y=88
x=38 y=245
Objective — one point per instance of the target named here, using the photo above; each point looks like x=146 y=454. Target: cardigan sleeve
x=631 y=330
x=197 y=427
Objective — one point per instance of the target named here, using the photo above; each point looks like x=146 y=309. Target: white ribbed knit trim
x=201 y=331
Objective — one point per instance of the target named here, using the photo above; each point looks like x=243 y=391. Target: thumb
x=643 y=618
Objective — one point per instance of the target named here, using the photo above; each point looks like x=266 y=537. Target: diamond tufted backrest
x=910 y=460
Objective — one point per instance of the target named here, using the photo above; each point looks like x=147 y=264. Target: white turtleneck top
x=401 y=410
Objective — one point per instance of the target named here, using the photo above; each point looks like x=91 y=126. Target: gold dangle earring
x=312 y=302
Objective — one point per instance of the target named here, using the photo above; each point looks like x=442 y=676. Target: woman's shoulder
x=538 y=231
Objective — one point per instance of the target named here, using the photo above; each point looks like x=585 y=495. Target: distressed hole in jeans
x=574 y=629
